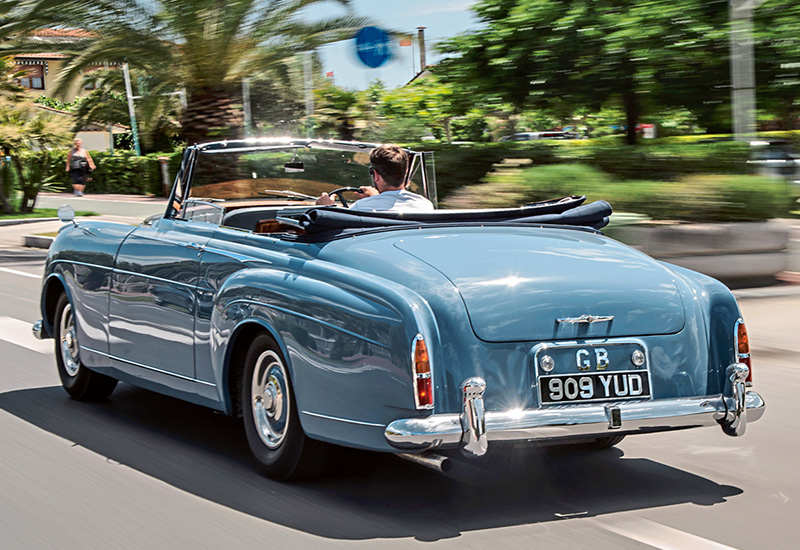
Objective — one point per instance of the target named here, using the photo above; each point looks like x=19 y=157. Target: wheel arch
x=54 y=286
x=235 y=354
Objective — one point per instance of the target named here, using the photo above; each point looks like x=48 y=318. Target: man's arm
x=366 y=191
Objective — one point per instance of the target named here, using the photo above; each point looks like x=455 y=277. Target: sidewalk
x=128 y=209
x=135 y=206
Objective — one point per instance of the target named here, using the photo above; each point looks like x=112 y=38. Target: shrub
x=118 y=172
x=457 y=166
x=698 y=198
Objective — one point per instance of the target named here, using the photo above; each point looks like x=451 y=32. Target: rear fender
x=347 y=345
x=715 y=304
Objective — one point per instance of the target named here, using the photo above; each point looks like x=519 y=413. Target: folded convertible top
x=562 y=211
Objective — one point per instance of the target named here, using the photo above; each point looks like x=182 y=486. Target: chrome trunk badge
x=587 y=319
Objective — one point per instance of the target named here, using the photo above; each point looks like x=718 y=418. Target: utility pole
x=131 y=110
x=743 y=81
x=248 y=119
x=308 y=74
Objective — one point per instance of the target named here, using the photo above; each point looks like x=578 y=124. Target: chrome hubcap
x=69 y=342
x=270 y=399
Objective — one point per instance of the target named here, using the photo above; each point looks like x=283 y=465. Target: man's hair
x=391 y=162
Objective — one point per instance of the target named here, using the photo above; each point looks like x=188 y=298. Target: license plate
x=607 y=386
x=592 y=371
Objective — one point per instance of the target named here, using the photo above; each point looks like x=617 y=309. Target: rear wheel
x=271 y=423
x=79 y=382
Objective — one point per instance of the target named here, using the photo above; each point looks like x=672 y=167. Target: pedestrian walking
x=79 y=164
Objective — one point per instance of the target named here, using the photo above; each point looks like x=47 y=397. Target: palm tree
x=203 y=46
x=156 y=109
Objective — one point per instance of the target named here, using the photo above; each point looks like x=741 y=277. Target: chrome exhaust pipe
x=433 y=461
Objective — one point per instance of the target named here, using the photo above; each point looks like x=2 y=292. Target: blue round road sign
x=373 y=47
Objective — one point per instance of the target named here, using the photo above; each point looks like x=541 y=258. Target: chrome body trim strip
x=159 y=279
x=124 y=272
x=82 y=263
x=345 y=420
x=153 y=369
x=445 y=430
x=307 y=318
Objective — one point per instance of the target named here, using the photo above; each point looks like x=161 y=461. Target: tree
x=777 y=54
x=23 y=127
x=157 y=109
x=426 y=100
x=579 y=53
x=336 y=111
x=203 y=46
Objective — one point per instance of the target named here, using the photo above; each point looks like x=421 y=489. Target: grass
x=41 y=213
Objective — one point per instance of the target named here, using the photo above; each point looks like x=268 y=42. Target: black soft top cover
x=563 y=211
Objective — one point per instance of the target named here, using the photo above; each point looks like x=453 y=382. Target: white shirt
x=393 y=201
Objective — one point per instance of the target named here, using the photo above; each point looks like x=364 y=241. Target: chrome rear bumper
x=553 y=423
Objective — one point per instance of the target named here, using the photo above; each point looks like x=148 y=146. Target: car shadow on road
x=366 y=495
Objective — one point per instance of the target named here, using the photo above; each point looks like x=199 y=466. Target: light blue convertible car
x=418 y=334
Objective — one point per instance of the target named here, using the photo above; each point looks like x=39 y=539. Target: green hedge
x=460 y=165
x=704 y=198
x=118 y=172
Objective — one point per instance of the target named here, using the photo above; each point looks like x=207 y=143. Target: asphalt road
x=145 y=471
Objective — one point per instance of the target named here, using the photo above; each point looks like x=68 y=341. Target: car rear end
x=557 y=335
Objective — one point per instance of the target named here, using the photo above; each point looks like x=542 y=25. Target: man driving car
x=388 y=169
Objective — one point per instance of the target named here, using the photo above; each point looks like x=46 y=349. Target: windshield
x=291 y=173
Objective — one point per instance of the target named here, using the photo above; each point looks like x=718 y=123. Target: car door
x=153 y=301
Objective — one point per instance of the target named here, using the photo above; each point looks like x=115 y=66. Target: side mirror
x=66 y=213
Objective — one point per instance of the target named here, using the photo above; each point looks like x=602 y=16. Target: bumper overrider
x=474 y=427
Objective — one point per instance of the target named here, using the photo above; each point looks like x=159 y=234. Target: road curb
x=21 y=221
x=37 y=241
x=778 y=291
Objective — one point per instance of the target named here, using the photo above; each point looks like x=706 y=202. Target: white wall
x=95 y=141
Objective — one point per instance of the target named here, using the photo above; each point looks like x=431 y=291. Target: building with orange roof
x=42 y=69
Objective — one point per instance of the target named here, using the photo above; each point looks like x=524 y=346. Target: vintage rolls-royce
x=409 y=333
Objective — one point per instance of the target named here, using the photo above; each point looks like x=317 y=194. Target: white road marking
x=659 y=536
x=24 y=274
x=19 y=333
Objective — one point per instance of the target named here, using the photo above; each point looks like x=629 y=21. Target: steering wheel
x=338 y=193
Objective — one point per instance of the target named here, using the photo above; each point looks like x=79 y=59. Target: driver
x=388 y=168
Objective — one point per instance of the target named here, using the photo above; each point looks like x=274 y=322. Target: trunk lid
x=517 y=283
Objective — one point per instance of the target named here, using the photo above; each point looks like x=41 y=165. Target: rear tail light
x=421 y=371
x=743 y=349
